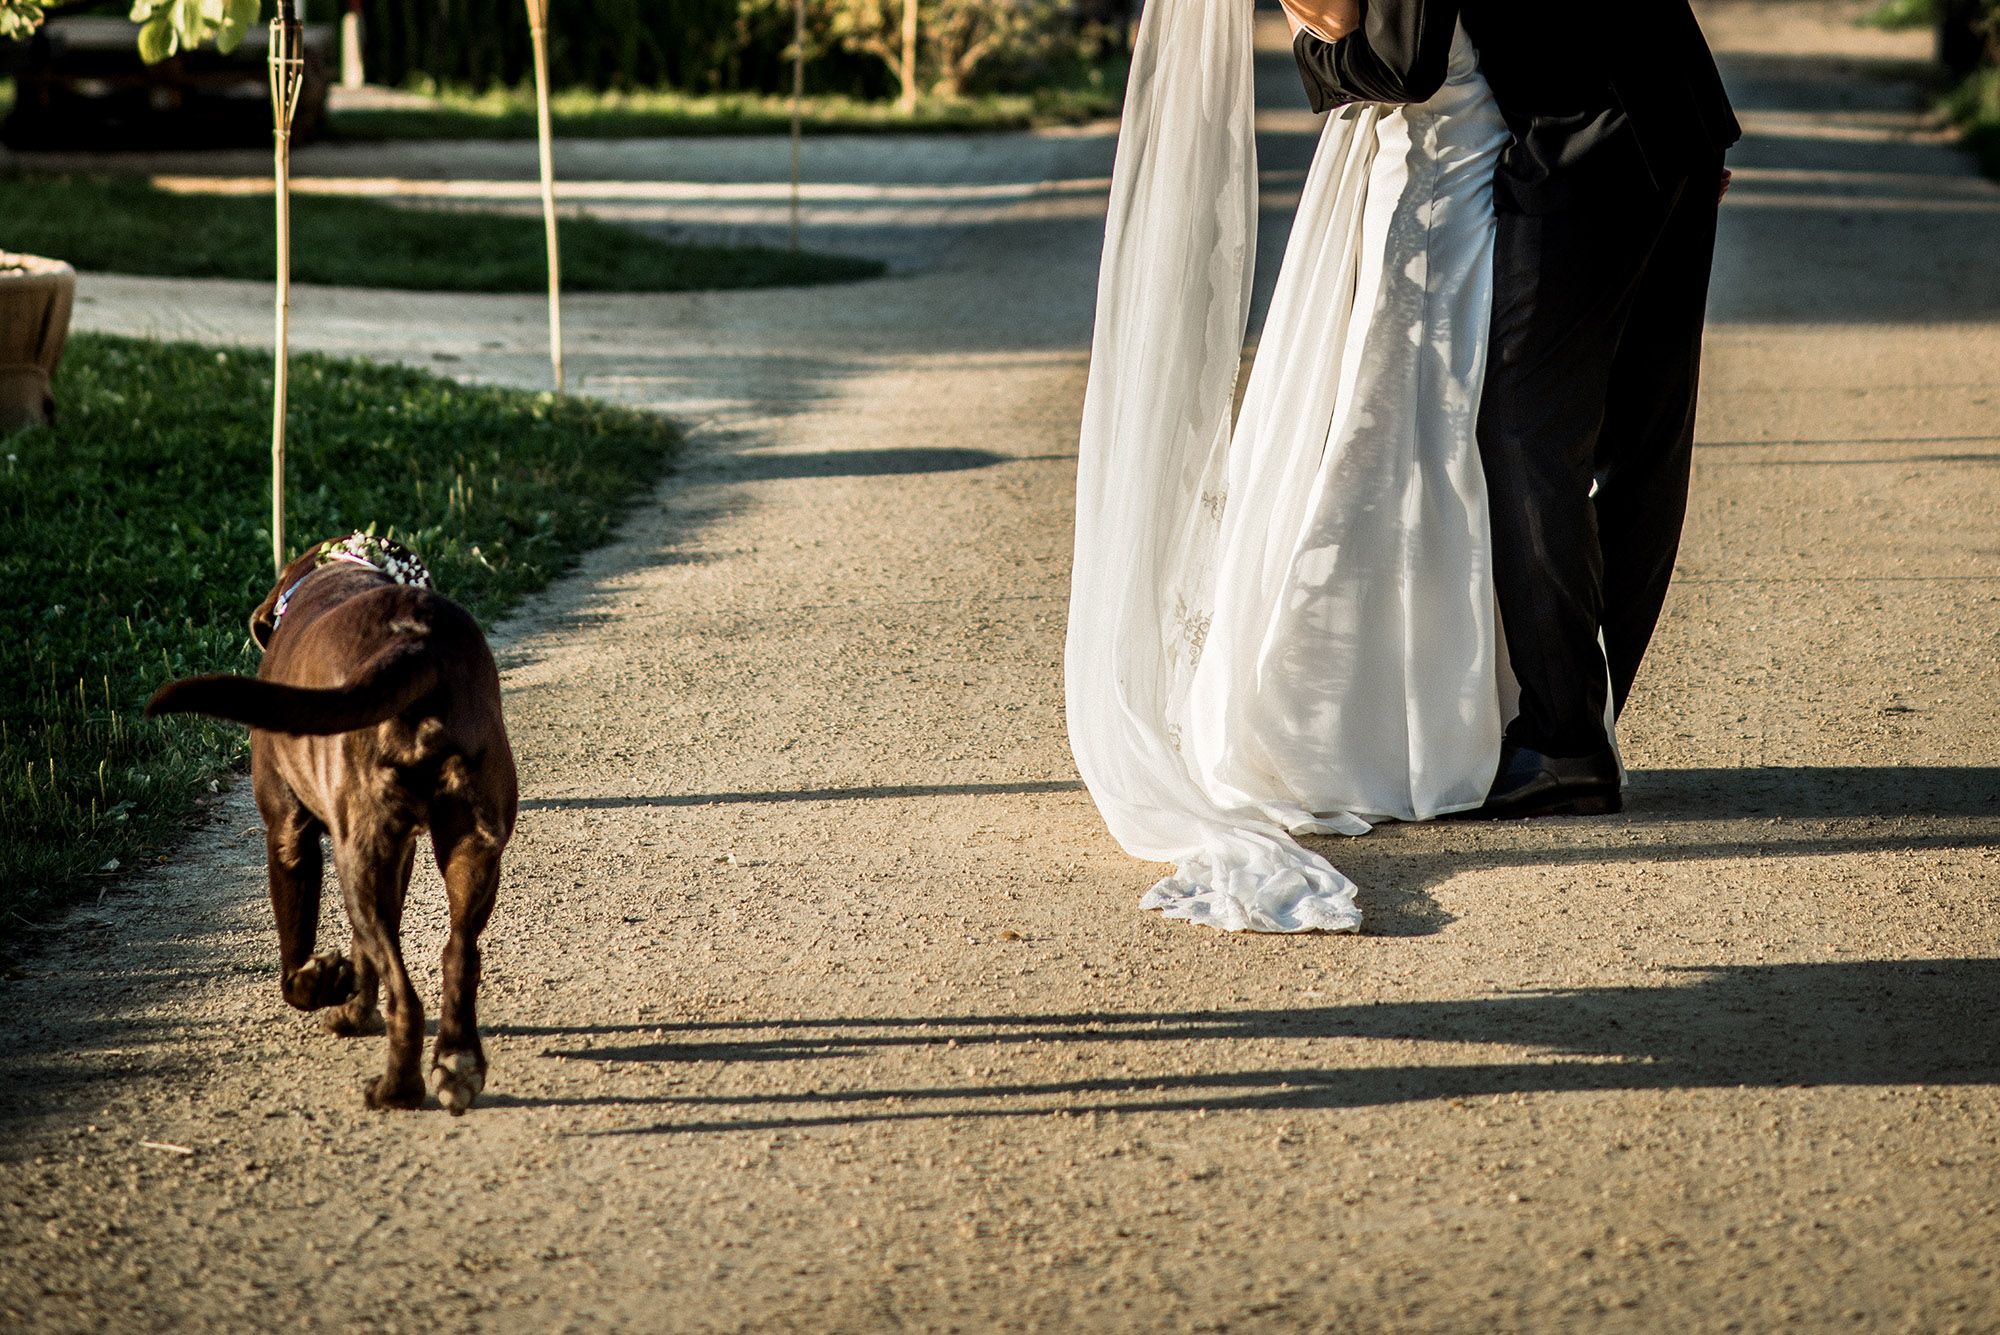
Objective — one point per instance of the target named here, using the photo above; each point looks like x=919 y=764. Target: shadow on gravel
x=1681 y=815
x=806 y=795
x=1861 y=1023
x=1822 y=793
x=1784 y=1026
x=1671 y=816
x=1691 y=815
x=1856 y=440
x=1876 y=221
x=1813 y=795
x=1900 y=461
x=755 y=467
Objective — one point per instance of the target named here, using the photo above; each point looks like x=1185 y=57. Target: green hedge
x=694 y=45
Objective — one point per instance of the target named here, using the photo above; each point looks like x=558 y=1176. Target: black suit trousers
x=1587 y=434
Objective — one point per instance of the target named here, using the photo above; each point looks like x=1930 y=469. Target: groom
x=1606 y=200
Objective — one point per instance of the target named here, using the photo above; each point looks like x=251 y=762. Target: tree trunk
x=352 y=72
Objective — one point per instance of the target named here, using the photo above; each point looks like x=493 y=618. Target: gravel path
x=818 y=997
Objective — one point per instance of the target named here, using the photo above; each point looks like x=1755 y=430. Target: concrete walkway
x=897 y=198
x=904 y=199
x=818 y=997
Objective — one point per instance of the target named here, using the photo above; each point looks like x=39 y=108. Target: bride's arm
x=1328 y=20
x=1399 y=53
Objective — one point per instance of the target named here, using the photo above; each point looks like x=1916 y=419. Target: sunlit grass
x=125 y=225
x=134 y=542
x=509 y=113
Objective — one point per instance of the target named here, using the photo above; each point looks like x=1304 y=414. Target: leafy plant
x=1895 y=15
x=730 y=45
x=598 y=44
x=166 y=27
x=954 y=36
x=170 y=26
x=20 y=18
x=1975 y=106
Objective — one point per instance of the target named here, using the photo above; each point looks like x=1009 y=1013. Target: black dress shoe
x=1532 y=784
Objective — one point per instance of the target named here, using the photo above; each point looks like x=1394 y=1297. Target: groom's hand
x=1328 y=20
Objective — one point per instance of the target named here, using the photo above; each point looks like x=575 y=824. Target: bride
x=1284 y=624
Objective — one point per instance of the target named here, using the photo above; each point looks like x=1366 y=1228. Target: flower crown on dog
x=382 y=555
x=392 y=558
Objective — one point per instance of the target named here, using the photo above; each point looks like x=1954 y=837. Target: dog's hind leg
x=309 y=982
x=360 y=1014
x=374 y=877
x=469 y=856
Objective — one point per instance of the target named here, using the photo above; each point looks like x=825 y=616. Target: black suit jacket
x=1602 y=96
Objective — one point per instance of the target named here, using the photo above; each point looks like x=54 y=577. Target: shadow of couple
x=1775 y=1026
x=1688 y=815
x=1671 y=816
x=1867 y=1022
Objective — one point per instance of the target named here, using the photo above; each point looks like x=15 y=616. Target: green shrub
x=712 y=45
x=1896 y=15
x=694 y=45
x=1975 y=106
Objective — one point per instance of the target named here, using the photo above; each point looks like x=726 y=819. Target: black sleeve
x=1400 y=54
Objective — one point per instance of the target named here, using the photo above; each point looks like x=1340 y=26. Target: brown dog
x=376 y=714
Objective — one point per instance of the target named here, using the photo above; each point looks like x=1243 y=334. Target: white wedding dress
x=1284 y=625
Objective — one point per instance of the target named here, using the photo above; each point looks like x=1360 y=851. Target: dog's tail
x=391 y=682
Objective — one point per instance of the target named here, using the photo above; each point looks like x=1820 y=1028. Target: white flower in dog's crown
x=393 y=559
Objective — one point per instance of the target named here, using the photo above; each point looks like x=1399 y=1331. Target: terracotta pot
x=35 y=300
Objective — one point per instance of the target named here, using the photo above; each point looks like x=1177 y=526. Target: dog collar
x=285 y=599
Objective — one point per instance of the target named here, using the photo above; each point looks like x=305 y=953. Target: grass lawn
x=509 y=113
x=124 y=225
x=134 y=543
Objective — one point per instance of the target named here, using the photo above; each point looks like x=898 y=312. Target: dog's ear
x=263 y=621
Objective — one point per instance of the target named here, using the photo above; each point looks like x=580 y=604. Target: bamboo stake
x=287 y=64
x=538 y=28
x=798 y=105
x=909 y=57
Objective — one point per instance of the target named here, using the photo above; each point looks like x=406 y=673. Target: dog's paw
x=322 y=981
x=385 y=1092
x=353 y=1020
x=458 y=1078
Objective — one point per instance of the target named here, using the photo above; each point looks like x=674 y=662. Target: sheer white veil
x=1173 y=311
